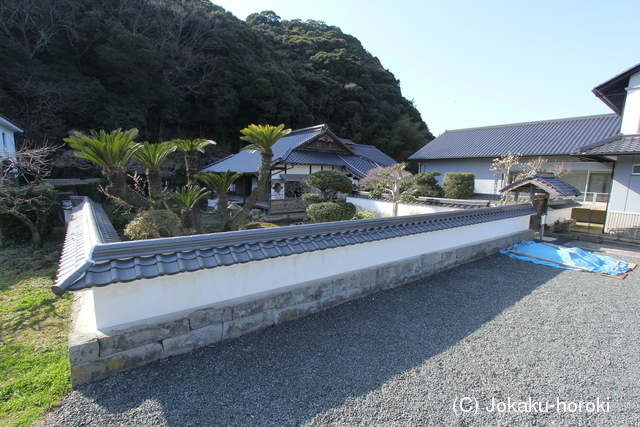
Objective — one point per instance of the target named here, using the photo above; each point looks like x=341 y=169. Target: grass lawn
x=34 y=323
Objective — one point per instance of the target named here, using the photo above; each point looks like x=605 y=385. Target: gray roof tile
x=551 y=137
x=616 y=145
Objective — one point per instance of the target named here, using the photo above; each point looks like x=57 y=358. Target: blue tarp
x=570 y=256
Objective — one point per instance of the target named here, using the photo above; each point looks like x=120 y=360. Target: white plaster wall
x=385 y=208
x=558 y=215
x=625 y=192
x=309 y=169
x=631 y=115
x=142 y=299
x=487 y=182
x=7 y=142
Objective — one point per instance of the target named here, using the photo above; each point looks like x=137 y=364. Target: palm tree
x=260 y=138
x=112 y=151
x=220 y=183
x=151 y=156
x=187 y=198
x=190 y=148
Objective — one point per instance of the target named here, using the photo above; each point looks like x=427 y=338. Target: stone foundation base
x=96 y=356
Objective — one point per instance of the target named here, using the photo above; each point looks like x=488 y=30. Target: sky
x=469 y=63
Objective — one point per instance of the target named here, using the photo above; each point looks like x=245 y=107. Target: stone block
x=249 y=308
x=236 y=327
x=138 y=336
x=104 y=367
x=210 y=316
x=311 y=293
x=198 y=338
x=83 y=347
x=294 y=312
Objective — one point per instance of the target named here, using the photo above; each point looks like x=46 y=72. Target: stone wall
x=95 y=356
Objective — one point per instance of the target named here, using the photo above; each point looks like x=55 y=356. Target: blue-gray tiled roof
x=551 y=137
x=145 y=259
x=616 y=145
x=546 y=181
x=284 y=151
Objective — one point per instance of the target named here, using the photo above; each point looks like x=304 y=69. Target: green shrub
x=426 y=185
x=155 y=224
x=459 y=185
x=330 y=183
x=329 y=212
x=258 y=225
x=313 y=198
x=365 y=214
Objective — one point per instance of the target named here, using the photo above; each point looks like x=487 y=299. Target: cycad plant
x=151 y=157
x=112 y=151
x=187 y=199
x=190 y=148
x=262 y=139
x=220 y=183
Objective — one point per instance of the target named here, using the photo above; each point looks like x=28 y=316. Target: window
x=635 y=170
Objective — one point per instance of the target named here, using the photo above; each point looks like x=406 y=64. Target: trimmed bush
x=155 y=224
x=459 y=185
x=426 y=185
x=329 y=212
x=258 y=225
x=330 y=183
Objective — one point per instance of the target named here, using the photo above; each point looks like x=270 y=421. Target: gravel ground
x=531 y=340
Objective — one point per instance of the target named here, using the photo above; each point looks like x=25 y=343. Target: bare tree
x=22 y=193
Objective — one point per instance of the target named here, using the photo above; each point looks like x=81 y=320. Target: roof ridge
x=309 y=129
x=595 y=116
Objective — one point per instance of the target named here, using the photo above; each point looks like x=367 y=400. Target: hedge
x=459 y=185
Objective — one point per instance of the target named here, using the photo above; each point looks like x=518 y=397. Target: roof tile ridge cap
x=60 y=287
x=191 y=243
x=308 y=129
x=600 y=142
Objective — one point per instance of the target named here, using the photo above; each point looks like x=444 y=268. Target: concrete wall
x=180 y=313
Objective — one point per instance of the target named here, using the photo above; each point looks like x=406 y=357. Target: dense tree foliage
x=188 y=69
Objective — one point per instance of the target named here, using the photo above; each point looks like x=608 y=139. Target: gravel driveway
x=494 y=342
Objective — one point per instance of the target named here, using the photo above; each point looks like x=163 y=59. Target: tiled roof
x=546 y=181
x=367 y=156
x=370 y=152
x=118 y=262
x=613 y=93
x=616 y=145
x=89 y=227
x=551 y=137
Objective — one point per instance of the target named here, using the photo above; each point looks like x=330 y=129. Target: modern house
x=473 y=150
x=621 y=151
x=8 y=144
x=295 y=157
x=601 y=153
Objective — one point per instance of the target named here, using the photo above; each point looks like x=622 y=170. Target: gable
x=326 y=143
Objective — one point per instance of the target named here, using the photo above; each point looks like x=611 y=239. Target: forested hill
x=187 y=68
